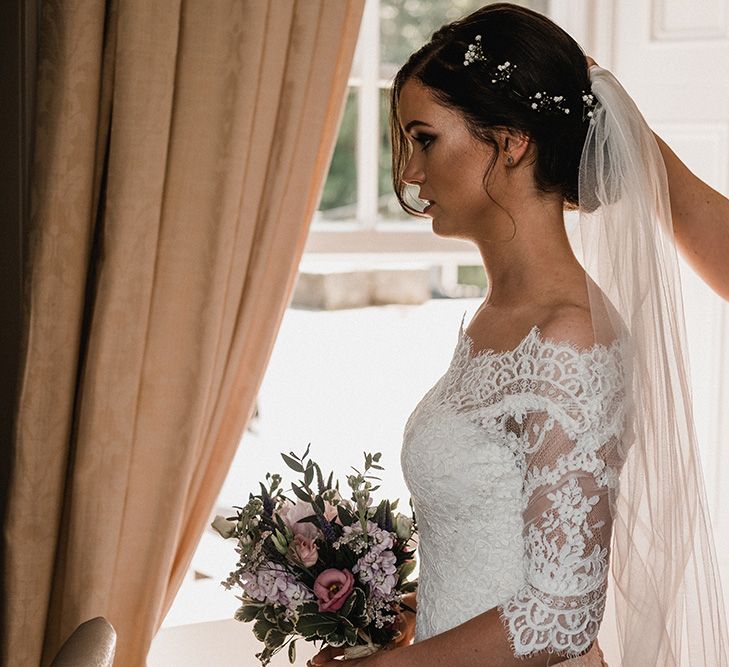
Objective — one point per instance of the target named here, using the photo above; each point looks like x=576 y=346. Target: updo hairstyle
x=546 y=58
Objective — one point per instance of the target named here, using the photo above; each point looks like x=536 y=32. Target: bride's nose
x=413 y=174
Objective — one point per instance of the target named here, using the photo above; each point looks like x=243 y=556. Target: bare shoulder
x=569 y=324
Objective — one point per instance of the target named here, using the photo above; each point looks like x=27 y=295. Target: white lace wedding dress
x=512 y=463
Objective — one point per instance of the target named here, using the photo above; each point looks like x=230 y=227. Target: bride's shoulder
x=569 y=324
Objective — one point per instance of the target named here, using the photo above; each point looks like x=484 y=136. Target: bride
x=559 y=441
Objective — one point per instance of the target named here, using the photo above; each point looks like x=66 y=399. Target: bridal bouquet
x=321 y=567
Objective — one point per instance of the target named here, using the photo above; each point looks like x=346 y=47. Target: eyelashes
x=424 y=140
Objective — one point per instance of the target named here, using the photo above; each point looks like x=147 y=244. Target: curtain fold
x=181 y=150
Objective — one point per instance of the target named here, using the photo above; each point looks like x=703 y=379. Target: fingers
x=326 y=654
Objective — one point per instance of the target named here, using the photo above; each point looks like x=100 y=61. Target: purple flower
x=274 y=584
x=377 y=569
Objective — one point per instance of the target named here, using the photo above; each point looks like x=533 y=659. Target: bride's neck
x=532 y=268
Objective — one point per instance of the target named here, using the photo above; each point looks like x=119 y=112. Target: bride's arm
x=700 y=222
x=482 y=640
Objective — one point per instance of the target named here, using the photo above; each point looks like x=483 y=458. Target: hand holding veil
x=664 y=574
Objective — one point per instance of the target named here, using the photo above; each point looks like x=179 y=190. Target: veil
x=664 y=575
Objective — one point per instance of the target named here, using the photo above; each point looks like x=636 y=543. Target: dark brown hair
x=547 y=59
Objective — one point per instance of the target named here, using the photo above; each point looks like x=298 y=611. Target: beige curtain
x=181 y=148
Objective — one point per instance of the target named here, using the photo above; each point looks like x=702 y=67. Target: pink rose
x=332 y=587
x=291 y=514
x=306 y=550
x=330 y=512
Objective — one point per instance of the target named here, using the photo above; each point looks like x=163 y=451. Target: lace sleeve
x=567 y=529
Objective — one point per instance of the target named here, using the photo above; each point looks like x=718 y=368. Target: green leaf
x=347 y=607
x=269 y=613
x=309 y=607
x=264 y=492
x=393 y=504
x=321 y=624
x=306 y=453
x=345 y=516
x=329 y=482
x=292 y=463
x=302 y=495
x=406 y=569
x=358 y=604
x=319 y=478
x=350 y=635
x=249 y=612
x=275 y=638
x=309 y=475
x=261 y=628
x=292 y=652
x=335 y=638
x=377 y=456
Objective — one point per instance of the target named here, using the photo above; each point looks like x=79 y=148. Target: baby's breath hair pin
x=589 y=103
x=540 y=101
x=474 y=52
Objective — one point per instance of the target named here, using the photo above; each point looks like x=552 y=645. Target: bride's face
x=448 y=165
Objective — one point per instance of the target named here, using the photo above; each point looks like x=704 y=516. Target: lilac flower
x=377 y=569
x=272 y=583
x=378 y=539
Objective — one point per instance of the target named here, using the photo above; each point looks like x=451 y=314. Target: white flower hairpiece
x=539 y=101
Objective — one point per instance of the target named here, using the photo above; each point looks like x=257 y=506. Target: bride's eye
x=424 y=140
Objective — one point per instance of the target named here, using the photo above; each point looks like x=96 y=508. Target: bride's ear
x=514 y=146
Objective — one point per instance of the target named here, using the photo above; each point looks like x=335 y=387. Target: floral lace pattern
x=512 y=460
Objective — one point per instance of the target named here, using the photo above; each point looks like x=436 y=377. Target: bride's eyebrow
x=413 y=123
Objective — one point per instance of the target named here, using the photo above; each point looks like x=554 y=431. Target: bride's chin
x=438 y=228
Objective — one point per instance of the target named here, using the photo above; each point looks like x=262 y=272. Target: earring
x=509 y=159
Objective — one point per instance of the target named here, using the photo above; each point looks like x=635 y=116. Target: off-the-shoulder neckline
x=534 y=334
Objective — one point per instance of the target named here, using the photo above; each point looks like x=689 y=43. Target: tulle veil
x=664 y=577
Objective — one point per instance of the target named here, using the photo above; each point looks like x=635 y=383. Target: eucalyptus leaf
x=345 y=516
x=292 y=652
x=302 y=495
x=309 y=476
x=292 y=463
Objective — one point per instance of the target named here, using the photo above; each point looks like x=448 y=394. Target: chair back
x=92 y=644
